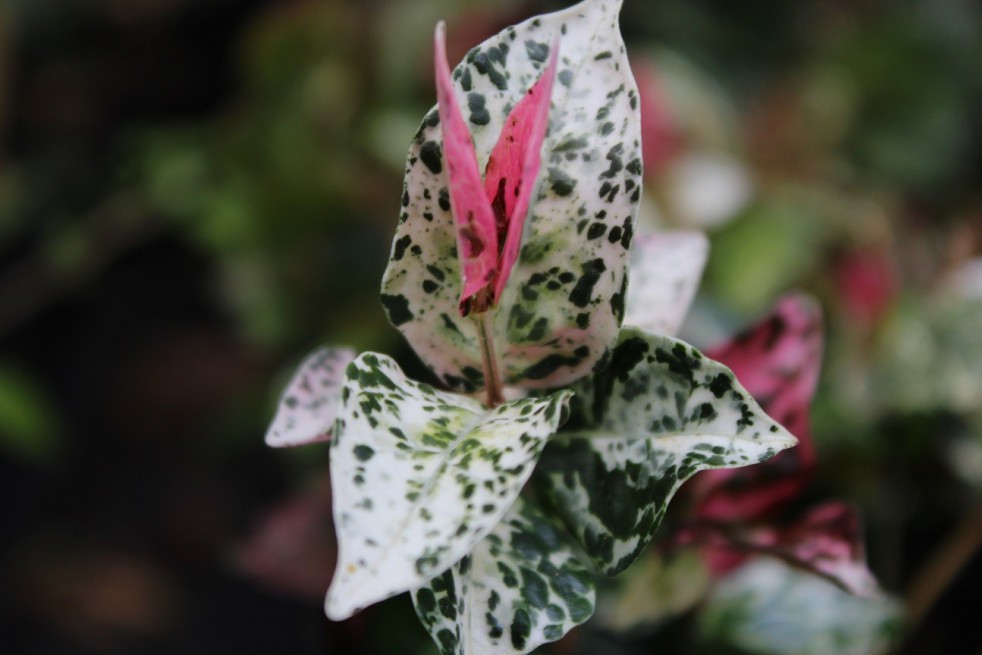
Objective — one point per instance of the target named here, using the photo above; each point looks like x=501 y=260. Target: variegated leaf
x=828 y=540
x=660 y=412
x=420 y=476
x=767 y=606
x=561 y=310
x=778 y=361
x=519 y=588
x=665 y=272
x=310 y=402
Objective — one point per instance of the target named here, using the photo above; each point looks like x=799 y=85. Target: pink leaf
x=661 y=139
x=477 y=233
x=514 y=165
x=826 y=541
x=290 y=549
x=866 y=283
x=778 y=361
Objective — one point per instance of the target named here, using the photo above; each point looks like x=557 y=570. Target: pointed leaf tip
x=778 y=360
x=309 y=403
x=515 y=163
x=664 y=411
x=477 y=233
x=560 y=311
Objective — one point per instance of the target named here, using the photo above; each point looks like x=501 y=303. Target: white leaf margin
x=419 y=476
x=665 y=270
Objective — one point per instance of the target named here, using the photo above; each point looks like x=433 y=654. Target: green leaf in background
x=765 y=251
x=28 y=425
x=660 y=412
x=770 y=608
x=521 y=587
x=420 y=476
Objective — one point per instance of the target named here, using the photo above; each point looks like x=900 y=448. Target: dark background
x=194 y=193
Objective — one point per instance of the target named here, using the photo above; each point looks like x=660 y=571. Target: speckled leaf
x=310 y=402
x=778 y=361
x=420 y=476
x=521 y=587
x=665 y=272
x=561 y=310
x=659 y=413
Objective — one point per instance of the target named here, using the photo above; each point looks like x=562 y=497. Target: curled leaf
x=660 y=412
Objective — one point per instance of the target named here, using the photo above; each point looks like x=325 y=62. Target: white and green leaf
x=564 y=303
x=665 y=271
x=420 y=476
x=310 y=402
x=660 y=412
x=769 y=606
x=521 y=587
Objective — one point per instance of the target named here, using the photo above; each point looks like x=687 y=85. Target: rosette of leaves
x=518 y=276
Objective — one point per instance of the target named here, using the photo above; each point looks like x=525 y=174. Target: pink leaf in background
x=866 y=283
x=661 y=139
x=291 y=549
x=826 y=541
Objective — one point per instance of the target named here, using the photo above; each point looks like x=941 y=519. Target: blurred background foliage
x=194 y=193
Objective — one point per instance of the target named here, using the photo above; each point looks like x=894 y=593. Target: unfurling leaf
x=521 y=587
x=310 y=402
x=490 y=216
x=561 y=309
x=659 y=413
x=420 y=476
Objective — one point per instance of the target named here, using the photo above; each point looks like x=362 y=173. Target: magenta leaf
x=477 y=234
x=514 y=165
x=828 y=541
x=559 y=297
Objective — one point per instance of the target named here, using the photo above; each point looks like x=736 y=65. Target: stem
x=492 y=380
x=941 y=569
